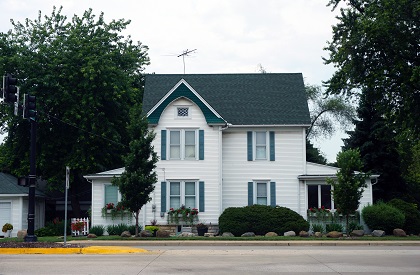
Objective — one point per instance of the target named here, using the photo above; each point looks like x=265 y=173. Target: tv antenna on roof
x=184 y=54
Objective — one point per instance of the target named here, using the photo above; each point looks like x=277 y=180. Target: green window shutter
x=163 y=145
x=250 y=193
x=201 y=196
x=249 y=145
x=272 y=147
x=111 y=194
x=163 y=196
x=201 y=144
x=273 y=194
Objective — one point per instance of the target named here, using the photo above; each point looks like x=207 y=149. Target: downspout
x=221 y=129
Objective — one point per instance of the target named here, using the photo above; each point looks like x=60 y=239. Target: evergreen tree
x=349 y=185
x=137 y=181
x=375 y=139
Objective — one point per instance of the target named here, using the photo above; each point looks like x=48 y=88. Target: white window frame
x=182 y=149
x=182 y=193
x=320 y=195
x=255 y=193
x=255 y=145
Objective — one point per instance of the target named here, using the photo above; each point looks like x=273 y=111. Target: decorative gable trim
x=183 y=89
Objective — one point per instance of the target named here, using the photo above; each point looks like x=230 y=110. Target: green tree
x=375 y=47
x=326 y=112
x=85 y=76
x=313 y=154
x=137 y=181
x=349 y=185
x=375 y=137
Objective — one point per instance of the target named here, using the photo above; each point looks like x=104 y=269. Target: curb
x=80 y=250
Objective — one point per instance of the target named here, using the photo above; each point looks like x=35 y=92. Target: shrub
x=382 y=216
x=53 y=228
x=116 y=229
x=318 y=227
x=98 y=230
x=132 y=229
x=354 y=226
x=261 y=219
x=334 y=227
x=411 y=213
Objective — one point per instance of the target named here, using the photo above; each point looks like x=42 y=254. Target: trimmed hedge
x=261 y=219
x=412 y=215
x=382 y=216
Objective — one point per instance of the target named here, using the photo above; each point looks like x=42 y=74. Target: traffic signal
x=10 y=89
x=29 y=107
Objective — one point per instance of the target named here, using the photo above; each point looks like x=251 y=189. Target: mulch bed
x=37 y=245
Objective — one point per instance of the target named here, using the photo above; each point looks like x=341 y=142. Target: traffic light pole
x=30 y=237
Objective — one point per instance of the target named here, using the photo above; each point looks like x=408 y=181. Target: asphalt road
x=226 y=260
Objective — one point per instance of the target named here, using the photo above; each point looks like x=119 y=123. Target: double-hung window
x=182 y=193
x=261 y=145
x=182 y=144
x=262 y=192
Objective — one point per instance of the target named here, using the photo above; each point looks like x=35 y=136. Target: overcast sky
x=230 y=36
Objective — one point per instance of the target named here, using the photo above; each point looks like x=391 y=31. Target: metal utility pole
x=185 y=53
x=30 y=237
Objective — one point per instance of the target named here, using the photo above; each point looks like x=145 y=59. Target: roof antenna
x=184 y=54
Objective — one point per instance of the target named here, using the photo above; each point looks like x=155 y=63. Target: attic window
x=183 y=112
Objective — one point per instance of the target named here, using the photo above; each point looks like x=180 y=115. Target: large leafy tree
x=375 y=47
x=327 y=112
x=138 y=180
x=350 y=183
x=375 y=50
x=85 y=75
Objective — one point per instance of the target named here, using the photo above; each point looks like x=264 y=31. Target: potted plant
x=7 y=228
x=202 y=228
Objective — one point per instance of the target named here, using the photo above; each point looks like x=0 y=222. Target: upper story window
x=261 y=145
x=182 y=144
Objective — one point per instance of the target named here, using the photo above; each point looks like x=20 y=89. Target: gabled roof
x=9 y=186
x=106 y=174
x=240 y=99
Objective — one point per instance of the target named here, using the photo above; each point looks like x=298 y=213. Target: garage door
x=5 y=213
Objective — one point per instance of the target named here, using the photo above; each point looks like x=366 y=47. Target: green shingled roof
x=8 y=185
x=241 y=99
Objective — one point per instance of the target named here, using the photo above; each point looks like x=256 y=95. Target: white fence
x=76 y=224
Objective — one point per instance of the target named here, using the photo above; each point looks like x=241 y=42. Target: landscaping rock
x=399 y=232
x=227 y=234
x=271 y=234
x=357 y=233
x=303 y=234
x=378 y=233
x=163 y=234
x=22 y=234
x=289 y=234
x=334 y=234
x=318 y=234
x=208 y=234
x=146 y=233
x=125 y=234
x=248 y=234
x=91 y=236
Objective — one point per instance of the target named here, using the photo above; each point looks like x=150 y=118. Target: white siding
x=206 y=170
x=238 y=171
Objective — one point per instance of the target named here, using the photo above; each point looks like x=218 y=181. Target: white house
x=14 y=205
x=226 y=140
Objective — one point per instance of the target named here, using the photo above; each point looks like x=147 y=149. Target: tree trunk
x=137 y=222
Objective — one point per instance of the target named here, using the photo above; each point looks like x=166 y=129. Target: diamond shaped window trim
x=183 y=112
